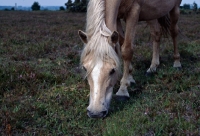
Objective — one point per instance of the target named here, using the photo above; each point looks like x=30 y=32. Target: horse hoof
x=121 y=98
x=132 y=83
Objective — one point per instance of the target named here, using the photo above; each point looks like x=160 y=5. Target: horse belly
x=155 y=9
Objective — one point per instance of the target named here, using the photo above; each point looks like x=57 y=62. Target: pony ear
x=113 y=38
x=83 y=36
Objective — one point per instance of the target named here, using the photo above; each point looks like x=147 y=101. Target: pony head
x=101 y=62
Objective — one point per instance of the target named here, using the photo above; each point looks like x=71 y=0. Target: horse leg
x=127 y=52
x=120 y=31
x=155 y=30
x=174 y=15
x=121 y=37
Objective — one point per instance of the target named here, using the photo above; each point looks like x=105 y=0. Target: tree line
x=188 y=6
x=81 y=6
x=76 y=6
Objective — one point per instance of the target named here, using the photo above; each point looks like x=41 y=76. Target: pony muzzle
x=97 y=111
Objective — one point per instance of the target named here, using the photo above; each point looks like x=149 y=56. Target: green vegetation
x=76 y=6
x=187 y=9
x=42 y=90
x=35 y=6
x=186 y=6
x=195 y=7
x=12 y=9
x=62 y=8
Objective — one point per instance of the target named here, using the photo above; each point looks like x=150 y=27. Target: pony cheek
x=109 y=93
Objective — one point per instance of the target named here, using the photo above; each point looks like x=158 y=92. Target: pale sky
x=58 y=2
x=30 y=2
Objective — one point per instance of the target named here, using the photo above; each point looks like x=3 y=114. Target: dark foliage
x=76 y=6
x=195 y=7
x=35 y=6
x=62 y=8
x=186 y=6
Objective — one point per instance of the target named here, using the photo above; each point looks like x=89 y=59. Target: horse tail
x=165 y=23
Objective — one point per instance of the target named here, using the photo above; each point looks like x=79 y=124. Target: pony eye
x=112 y=71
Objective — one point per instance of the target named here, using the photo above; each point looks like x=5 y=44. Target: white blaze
x=95 y=77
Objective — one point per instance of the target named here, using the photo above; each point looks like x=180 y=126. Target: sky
x=58 y=2
x=30 y=2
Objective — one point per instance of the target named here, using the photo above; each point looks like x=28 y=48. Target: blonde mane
x=98 y=34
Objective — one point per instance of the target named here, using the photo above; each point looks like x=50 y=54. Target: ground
x=43 y=91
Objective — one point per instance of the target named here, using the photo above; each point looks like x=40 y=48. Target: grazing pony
x=105 y=42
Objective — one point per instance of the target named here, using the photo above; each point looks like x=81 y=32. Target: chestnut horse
x=105 y=42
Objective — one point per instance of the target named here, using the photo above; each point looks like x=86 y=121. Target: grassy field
x=42 y=90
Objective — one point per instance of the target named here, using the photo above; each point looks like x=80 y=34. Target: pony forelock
x=97 y=32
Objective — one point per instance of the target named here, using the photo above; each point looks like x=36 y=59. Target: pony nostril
x=88 y=112
x=97 y=115
x=104 y=112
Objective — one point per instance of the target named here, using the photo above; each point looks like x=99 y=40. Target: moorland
x=43 y=92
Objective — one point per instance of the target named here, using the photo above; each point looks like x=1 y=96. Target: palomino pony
x=105 y=42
